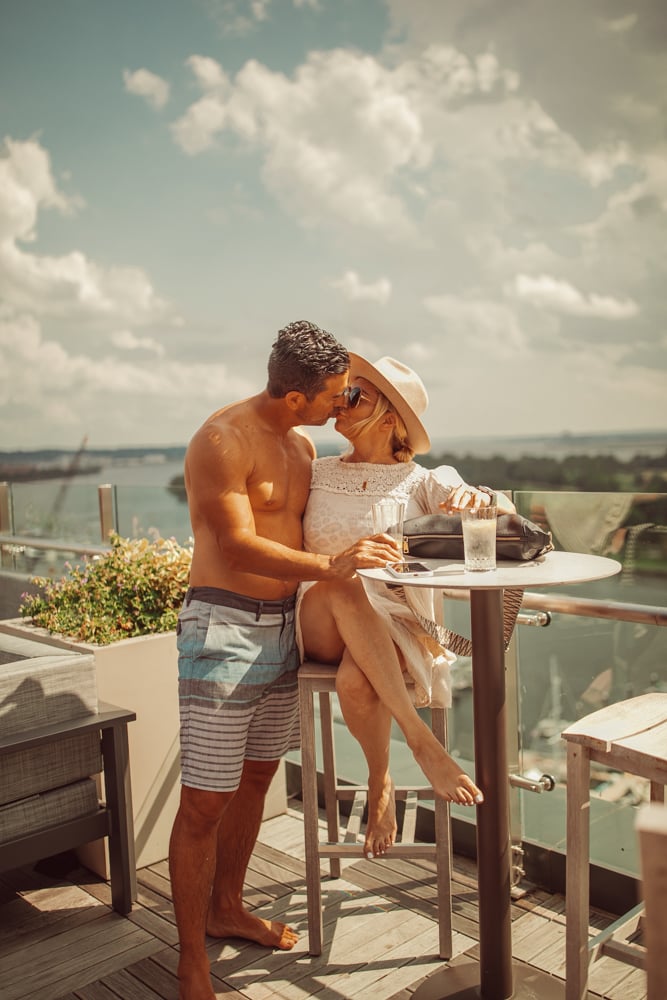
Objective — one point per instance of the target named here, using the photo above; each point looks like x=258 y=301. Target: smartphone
x=408 y=568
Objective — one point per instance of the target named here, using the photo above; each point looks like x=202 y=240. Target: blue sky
x=477 y=187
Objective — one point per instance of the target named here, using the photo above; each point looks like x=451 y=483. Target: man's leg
x=369 y=721
x=192 y=851
x=237 y=835
x=337 y=615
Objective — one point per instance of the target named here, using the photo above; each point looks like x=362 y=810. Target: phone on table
x=408 y=568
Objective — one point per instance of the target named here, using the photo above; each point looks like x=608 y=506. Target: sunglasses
x=353 y=396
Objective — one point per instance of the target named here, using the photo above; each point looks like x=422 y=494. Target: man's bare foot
x=444 y=774
x=194 y=981
x=270 y=933
x=381 y=826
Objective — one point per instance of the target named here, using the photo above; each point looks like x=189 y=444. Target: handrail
x=9 y=542
x=585 y=607
x=646 y=614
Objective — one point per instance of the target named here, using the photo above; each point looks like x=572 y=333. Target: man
x=247 y=476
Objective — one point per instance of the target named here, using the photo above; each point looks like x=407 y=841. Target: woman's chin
x=339 y=425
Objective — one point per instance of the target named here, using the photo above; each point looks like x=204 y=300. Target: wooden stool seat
x=320 y=679
x=631 y=737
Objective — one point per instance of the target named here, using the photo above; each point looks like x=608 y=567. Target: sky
x=475 y=187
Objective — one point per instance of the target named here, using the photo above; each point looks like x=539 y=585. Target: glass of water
x=479 y=538
x=388 y=519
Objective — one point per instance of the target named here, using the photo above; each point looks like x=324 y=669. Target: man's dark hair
x=302 y=358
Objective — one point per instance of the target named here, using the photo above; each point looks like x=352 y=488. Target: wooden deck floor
x=60 y=939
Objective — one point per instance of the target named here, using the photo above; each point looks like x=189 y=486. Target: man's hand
x=367 y=553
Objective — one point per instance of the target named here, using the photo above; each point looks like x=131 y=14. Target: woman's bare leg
x=369 y=721
x=336 y=615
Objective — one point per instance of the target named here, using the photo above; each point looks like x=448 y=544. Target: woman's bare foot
x=381 y=826
x=444 y=774
x=270 y=933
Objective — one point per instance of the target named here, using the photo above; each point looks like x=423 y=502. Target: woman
x=369 y=629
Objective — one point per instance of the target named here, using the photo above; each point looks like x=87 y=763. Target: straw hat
x=405 y=391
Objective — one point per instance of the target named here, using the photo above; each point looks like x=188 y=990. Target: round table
x=494 y=977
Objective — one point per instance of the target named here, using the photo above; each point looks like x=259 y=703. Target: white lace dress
x=339 y=512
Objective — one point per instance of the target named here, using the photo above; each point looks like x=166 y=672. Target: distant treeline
x=586 y=473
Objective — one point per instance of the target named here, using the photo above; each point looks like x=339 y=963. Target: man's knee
x=202 y=808
x=258 y=774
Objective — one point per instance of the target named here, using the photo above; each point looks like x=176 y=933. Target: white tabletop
x=549 y=570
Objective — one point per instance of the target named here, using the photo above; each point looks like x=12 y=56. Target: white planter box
x=142 y=674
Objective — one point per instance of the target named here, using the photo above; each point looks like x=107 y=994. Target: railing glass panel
x=148 y=511
x=579 y=664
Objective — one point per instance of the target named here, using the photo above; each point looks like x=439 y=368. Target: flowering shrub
x=135 y=588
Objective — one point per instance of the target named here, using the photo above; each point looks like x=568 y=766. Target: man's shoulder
x=225 y=426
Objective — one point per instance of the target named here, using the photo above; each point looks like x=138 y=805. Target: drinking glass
x=388 y=519
x=479 y=538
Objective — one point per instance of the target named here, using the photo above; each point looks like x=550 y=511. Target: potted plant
x=123 y=606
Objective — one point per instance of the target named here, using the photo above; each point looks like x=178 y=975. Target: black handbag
x=440 y=536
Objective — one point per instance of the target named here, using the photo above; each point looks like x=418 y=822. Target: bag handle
x=512 y=599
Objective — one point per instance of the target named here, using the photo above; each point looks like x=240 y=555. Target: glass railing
x=562 y=671
x=47 y=511
x=579 y=663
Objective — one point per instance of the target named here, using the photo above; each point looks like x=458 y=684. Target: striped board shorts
x=237 y=685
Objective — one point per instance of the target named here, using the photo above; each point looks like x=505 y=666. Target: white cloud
x=478 y=324
x=148 y=85
x=260 y=9
x=561 y=296
x=354 y=290
x=208 y=73
x=319 y=160
x=195 y=131
x=61 y=392
x=125 y=340
x=26 y=186
x=69 y=285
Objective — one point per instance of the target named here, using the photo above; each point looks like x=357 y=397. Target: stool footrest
x=396 y=851
x=346 y=792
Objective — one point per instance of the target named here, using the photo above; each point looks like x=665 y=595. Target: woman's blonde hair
x=401 y=450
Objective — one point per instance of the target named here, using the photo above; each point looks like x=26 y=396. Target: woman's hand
x=464 y=496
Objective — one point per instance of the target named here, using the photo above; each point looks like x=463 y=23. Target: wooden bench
x=630 y=737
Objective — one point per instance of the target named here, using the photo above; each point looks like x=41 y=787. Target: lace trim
x=358 y=478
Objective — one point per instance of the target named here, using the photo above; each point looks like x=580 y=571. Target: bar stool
x=320 y=679
x=631 y=737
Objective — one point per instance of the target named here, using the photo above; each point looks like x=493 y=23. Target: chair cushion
x=39 y=812
x=41 y=690
x=39 y=769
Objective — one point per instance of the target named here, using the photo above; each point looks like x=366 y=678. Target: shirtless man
x=247 y=476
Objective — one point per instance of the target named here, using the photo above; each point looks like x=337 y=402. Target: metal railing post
x=6 y=518
x=108 y=511
x=6 y=522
